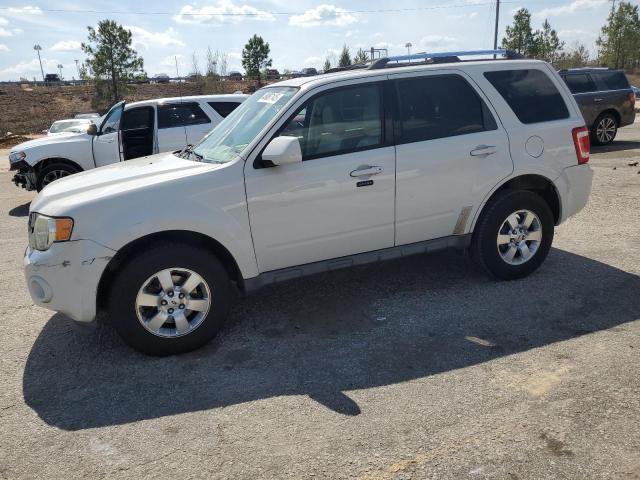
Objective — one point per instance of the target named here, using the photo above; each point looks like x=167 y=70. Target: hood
x=117 y=179
x=61 y=137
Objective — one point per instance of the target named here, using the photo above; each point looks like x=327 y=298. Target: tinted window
x=580 y=83
x=608 y=80
x=530 y=93
x=339 y=121
x=138 y=118
x=180 y=114
x=112 y=122
x=438 y=107
x=224 y=108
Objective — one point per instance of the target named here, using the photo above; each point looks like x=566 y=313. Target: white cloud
x=312 y=61
x=3 y=48
x=8 y=32
x=169 y=63
x=145 y=39
x=224 y=11
x=438 y=42
x=323 y=15
x=4 y=21
x=570 y=8
x=463 y=16
x=28 y=10
x=66 y=46
x=31 y=68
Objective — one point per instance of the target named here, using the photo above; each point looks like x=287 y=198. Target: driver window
x=112 y=122
x=340 y=121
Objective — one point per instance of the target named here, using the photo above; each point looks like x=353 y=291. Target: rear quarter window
x=608 y=80
x=579 y=83
x=530 y=94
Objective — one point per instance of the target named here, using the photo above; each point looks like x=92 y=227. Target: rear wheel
x=604 y=129
x=513 y=235
x=171 y=299
x=53 y=172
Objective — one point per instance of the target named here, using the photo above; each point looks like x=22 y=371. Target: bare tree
x=195 y=67
x=213 y=60
x=224 y=60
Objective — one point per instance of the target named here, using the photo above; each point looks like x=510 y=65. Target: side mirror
x=92 y=129
x=283 y=151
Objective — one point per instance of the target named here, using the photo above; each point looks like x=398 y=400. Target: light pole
x=37 y=48
x=60 y=69
x=78 y=68
x=408 y=45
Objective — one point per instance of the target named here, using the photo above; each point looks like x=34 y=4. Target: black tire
x=121 y=304
x=604 y=121
x=44 y=176
x=484 y=248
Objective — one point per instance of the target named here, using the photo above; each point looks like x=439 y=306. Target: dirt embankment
x=33 y=109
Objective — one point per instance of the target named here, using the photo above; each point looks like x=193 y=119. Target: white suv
x=312 y=174
x=125 y=132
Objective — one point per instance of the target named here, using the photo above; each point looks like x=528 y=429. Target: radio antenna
x=184 y=125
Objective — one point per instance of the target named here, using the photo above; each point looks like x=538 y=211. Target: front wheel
x=513 y=235
x=53 y=172
x=171 y=299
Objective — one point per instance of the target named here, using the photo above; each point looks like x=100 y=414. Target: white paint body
x=303 y=212
x=88 y=151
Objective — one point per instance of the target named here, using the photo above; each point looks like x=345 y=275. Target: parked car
x=606 y=100
x=307 y=72
x=147 y=127
x=74 y=125
x=273 y=74
x=161 y=78
x=233 y=75
x=305 y=177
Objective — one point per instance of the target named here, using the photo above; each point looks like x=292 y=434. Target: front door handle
x=483 y=151
x=365 y=170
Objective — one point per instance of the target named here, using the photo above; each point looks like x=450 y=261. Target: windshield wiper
x=188 y=151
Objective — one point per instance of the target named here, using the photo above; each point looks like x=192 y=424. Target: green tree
x=519 y=36
x=619 y=41
x=345 y=57
x=361 y=56
x=255 y=56
x=111 y=56
x=577 y=57
x=327 y=65
x=547 y=43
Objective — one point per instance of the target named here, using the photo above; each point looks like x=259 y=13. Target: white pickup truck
x=127 y=131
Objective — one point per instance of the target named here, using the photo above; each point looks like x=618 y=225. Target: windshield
x=68 y=126
x=235 y=132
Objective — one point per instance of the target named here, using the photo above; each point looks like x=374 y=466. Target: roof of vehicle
x=588 y=70
x=308 y=82
x=190 y=98
x=73 y=120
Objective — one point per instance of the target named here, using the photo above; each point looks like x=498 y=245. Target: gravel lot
x=420 y=368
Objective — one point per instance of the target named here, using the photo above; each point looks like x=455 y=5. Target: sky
x=301 y=34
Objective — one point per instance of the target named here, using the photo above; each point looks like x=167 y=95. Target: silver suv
x=403 y=156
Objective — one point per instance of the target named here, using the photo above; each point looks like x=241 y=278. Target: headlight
x=17 y=156
x=43 y=230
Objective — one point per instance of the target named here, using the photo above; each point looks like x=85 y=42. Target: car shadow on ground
x=351 y=329
x=616 y=146
x=20 y=210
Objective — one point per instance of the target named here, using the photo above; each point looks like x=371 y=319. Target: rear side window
x=530 y=93
x=180 y=114
x=137 y=118
x=611 y=80
x=580 y=83
x=438 y=107
x=224 y=108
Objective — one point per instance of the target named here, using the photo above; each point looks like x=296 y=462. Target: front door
x=106 y=144
x=450 y=152
x=340 y=200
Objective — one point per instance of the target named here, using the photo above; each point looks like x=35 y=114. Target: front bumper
x=574 y=187
x=65 y=278
x=25 y=176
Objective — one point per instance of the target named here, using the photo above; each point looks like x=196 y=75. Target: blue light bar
x=419 y=56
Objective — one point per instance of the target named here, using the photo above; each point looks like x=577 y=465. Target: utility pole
x=60 y=69
x=495 y=32
x=408 y=45
x=78 y=68
x=37 y=48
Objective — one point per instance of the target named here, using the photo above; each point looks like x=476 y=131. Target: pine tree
x=619 y=41
x=345 y=57
x=519 y=36
x=255 y=56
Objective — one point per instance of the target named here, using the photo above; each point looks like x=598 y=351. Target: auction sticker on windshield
x=270 y=97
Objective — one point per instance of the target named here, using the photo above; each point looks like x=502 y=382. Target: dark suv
x=605 y=98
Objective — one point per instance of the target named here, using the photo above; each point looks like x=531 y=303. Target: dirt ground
x=420 y=368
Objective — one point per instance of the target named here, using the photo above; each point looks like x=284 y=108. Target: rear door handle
x=483 y=151
x=366 y=170
x=597 y=99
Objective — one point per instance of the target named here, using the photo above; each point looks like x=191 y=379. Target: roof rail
x=444 y=57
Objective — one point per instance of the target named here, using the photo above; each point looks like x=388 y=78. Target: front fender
x=77 y=151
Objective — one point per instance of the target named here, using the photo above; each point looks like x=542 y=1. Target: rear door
x=584 y=89
x=450 y=151
x=613 y=93
x=181 y=124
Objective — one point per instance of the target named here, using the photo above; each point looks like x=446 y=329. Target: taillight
x=581 y=142
x=632 y=98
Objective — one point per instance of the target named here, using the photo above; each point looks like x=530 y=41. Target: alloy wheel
x=54 y=175
x=519 y=237
x=606 y=130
